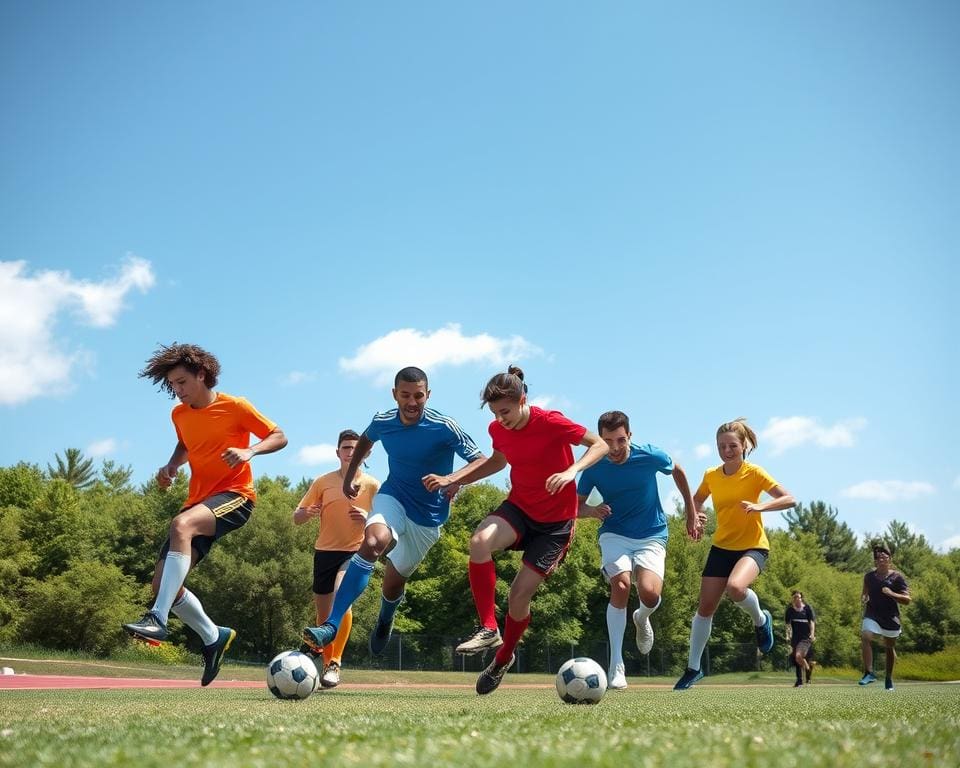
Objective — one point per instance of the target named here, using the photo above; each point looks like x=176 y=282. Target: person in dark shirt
x=884 y=591
x=801 y=621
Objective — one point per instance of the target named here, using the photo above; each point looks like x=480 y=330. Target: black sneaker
x=492 y=676
x=213 y=654
x=148 y=628
x=798 y=684
x=688 y=678
x=380 y=635
x=479 y=640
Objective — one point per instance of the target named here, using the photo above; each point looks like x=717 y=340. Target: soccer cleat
x=868 y=677
x=149 y=628
x=380 y=636
x=492 y=676
x=765 y=633
x=213 y=654
x=317 y=637
x=480 y=639
x=688 y=678
x=331 y=675
x=644 y=633
x=618 y=680
x=888 y=684
x=798 y=684
x=307 y=650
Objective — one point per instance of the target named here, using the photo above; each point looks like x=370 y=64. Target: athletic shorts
x=621 y=554
x=805 y=647
x=412 y=541
x=326 y=565
x=232 y=511
x=544 y=545
x=720 y=562
x=869 y=625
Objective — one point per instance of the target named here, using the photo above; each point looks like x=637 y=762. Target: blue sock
x=355 y=580
x=388 y=608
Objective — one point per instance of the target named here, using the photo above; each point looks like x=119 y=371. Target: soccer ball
x=581 y=681
x=292 y=675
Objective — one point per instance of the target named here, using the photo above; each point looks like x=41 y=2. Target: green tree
x=912 y=553
x=20 y=485
x=75 y=469
x=837 y=542
x=16 y=562
x=54 y=528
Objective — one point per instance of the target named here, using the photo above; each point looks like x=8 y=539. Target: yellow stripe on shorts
x=227 y=507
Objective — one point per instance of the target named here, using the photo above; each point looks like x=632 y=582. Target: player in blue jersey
x=633 y=535
x=420 y=444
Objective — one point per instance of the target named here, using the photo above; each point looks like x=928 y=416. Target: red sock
x=513 y=630
x=483 y=584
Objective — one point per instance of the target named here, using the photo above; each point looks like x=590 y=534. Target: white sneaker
x=644 y=633
x=617 y=678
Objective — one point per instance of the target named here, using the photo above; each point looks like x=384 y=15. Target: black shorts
x=720 y=562
x=232 y=511
x=544 y=545
x=326 y=565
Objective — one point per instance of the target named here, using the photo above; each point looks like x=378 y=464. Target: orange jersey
x=207 y=432
x=338 y=531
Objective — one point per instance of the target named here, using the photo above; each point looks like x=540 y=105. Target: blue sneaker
x=318 y=637
x=380 y=635
x=688 y=678
x=765 y=633
x=149 y=628
x=213 y=654
x=868 y=677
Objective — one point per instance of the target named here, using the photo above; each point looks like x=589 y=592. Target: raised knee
x=736 y=593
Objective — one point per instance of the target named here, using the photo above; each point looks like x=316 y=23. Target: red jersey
x=540 y=449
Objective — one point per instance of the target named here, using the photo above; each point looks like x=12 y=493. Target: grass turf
x=829 y=725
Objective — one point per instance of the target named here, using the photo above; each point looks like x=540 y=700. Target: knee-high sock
x=798 y=666
x=643 y=611
x=483 y=585
x=512 y=632
x=176 y=566
x=355 y=580
x=191 y=613
x=751 y=605
x=334 y=651
x=616 y=624
x=699 y=634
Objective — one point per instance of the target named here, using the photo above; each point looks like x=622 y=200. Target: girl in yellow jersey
x=740 y=546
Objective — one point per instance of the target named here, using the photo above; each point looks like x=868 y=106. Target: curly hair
x=190 y=356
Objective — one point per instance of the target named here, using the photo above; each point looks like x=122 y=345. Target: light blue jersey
x=415 y=450
x=630 y=489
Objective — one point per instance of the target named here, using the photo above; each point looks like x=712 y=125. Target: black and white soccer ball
x=292 y=675
x=581 y=681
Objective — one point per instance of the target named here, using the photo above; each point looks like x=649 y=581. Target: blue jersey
x=630 y=489
x=415 y=450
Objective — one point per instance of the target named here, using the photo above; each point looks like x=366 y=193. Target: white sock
x=699 y=634
x=191 y=613
x=616 y=625
x=643 y=611
x=751 y=604
x=175 y=570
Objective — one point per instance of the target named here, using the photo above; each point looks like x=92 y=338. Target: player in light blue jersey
x=420 y=444
x=633 y=535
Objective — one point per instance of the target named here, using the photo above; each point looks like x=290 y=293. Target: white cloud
x=702 y=450
x=952 y=543
x=888 y=490
x=100 y=448
x=316 y=455
x=551 y=402
x=294 y=378
x=794 y=431
x=34 y=360
x=383 y=357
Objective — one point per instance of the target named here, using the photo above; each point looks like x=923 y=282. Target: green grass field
x=745 y=723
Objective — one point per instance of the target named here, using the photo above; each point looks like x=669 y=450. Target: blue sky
x=690 y=213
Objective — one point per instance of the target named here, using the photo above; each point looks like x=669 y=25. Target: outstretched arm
x=695 y=519
x=782 y=499
x=596 y=450
x=274 y=441
x=168 y=472
x=475 y=470
x=360 y=453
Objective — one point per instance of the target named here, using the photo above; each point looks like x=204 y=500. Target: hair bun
x=515 y=371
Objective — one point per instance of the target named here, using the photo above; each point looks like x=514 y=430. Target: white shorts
x=619 y=554
x=869 y=625
x=412 y=541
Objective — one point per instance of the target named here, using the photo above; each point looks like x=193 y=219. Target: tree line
x=77 y=552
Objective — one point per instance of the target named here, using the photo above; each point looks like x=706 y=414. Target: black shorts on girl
x=326 y=566
x=544 y=545
x=720 y=562
x=232 y=511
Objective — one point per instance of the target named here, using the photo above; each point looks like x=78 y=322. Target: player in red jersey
x=537 y=517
